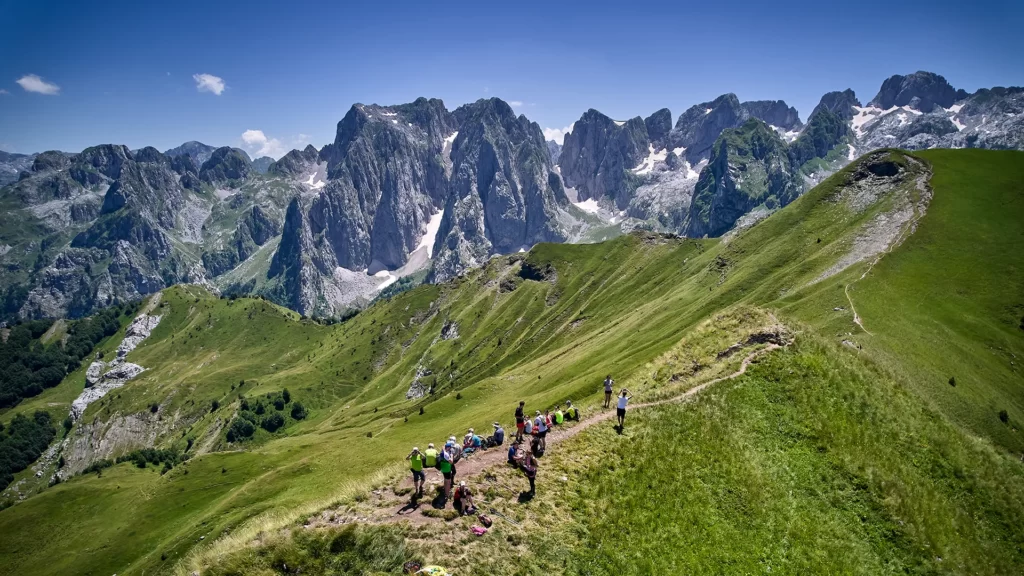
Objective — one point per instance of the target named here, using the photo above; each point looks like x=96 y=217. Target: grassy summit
x=849 y=451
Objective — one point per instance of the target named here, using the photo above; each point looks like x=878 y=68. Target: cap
x=431 y=445
x=538 y=412
x=451 y=438
x=462 y=483
x=415 y=449
x=568 y=402
x=471 y=430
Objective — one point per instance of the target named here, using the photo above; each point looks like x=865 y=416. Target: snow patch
x=619 y=122
x=955 y=108
x=433 y=225
x=851 y=154
x=389 y=113
x=588 y=206
x=652 y=159
x=864 y=116
x=394 y=121
x=318 y=185
x=959 y=125
x=707 y=111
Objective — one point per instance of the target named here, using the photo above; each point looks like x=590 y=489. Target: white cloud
x=515 y=104
x=209 y=83
x=33 y=83
x=557 y=134
x=258 y=144
x=4 y=92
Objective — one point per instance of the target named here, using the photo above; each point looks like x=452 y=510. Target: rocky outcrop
x=503 y=195
x=197 y=152
x=296 y=162
x=921 y=91
x=13 y=165
x=554 y=151
x=839 y=103
x=262 y=164
x=749 y=167
x=697 y=129
x=658 y=126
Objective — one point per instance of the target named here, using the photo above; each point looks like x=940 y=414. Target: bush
x=272 y=422
x=260 y=409
x=298 y=411
x=286 y=395
x=1004 y=416
x=952 y=381
x=154 y=407
x=240 y=429
x=98 y=466
x=279 y=403
x=214 y=405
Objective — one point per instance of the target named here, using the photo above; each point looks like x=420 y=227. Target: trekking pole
x=496 y=513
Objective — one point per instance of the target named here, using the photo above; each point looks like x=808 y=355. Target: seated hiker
x=528 y=427
x=571 y=412
x=559 y=416
x=549 y=420
x=498 y=438
x=513 y=452
x=430 y=456
x=471 y=442
x=463 y=501
x=537 y=446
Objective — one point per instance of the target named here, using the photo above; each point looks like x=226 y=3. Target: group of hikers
x=521 y=454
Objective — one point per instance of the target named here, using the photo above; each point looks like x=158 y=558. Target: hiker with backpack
x=571 y=412
x=463 y=501
x=608 y=384
x=498 y=438
x=416 y=461
x=520 y=421
x=621 y=408
x=529 y=464
x=456 y=455
x=446 y=466
x=541 y=428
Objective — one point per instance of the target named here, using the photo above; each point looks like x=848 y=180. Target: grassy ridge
x=546 y=327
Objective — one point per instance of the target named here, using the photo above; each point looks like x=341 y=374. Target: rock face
x=598 y=153
x=749 y=166
x=921 y=91
x=774 y=113
x=262 y=164
x=658 y=126
x=503 y=194
x=12 y=165
x=839 y=103
x=197 y=152
x=296 y=162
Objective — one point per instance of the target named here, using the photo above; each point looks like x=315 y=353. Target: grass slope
x=784 y=453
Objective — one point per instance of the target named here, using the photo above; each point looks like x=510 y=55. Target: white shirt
x=540 y=424
x=622 y=401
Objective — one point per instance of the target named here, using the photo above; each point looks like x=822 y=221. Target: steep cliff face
x=598 y=153
x=749 y=167
x=921 y=91
x=226 y=165
x=503 y=195
x=775 y=113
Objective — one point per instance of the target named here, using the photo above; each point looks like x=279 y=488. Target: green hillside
x=849 y=451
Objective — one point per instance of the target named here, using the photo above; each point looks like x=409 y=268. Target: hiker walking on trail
x=540 y=425
x=608 y=384
x=464 y=500
x=520 y=421
x=620 y=410
x=446 y=466
x=416 y=461
x=571 y=412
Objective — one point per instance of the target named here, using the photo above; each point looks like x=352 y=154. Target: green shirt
x=416 y=462
x=446 y=466
x=431 y=455
x=559 y=417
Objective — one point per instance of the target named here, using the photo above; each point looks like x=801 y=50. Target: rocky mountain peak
x=659 y=125
x=699 y=127
x=921 y=91
x=599 y=151
x=226 y=164
x=839 y=103
x=106 y=159
x=197 y=151
x=774 y=112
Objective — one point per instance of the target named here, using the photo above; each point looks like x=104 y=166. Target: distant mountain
x=418 y=189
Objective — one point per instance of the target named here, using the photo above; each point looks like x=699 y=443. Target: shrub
x=214 y=405
x=279 y=403
x=1004 y=416
x=298 y=411
x=952 y=381
x=272 y=422
x=286 y=395
x=240 y=429
x=154 y=407
x=260 y=409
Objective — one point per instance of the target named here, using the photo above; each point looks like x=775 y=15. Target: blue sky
x=126 y=72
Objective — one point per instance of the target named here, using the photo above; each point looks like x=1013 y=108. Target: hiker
x=513 y=452
x=498 y=438
x=471 y=442
x=430 y=456
x=608 y=384
x=520 y=421
x=445 y=466
x=621 y=409
x=456 y=455
x=559 y=417
x=571 y=412
x=529 y=467
x=528 y=427
x=549 y=420
x=416 y=465
x=535 y=446
x=541 y=428
x=463 y=501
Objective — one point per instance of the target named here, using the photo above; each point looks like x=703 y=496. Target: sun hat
x=431 y=445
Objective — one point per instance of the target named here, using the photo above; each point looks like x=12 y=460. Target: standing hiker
x=529 y=467
x=416 y=465
x=456 y=455
x=541 y=428
x=608 y=384
x=430 y=456
x=445 y=466
x=520 y=421
x=621 y=408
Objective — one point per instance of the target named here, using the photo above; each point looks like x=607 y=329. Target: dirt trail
x=474 y=465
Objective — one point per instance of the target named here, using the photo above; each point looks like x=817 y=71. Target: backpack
x=456 y=454
x=485 y=520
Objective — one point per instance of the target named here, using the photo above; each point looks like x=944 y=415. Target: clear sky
x=158 y=73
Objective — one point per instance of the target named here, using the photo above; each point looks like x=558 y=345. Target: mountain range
x=416 y=192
